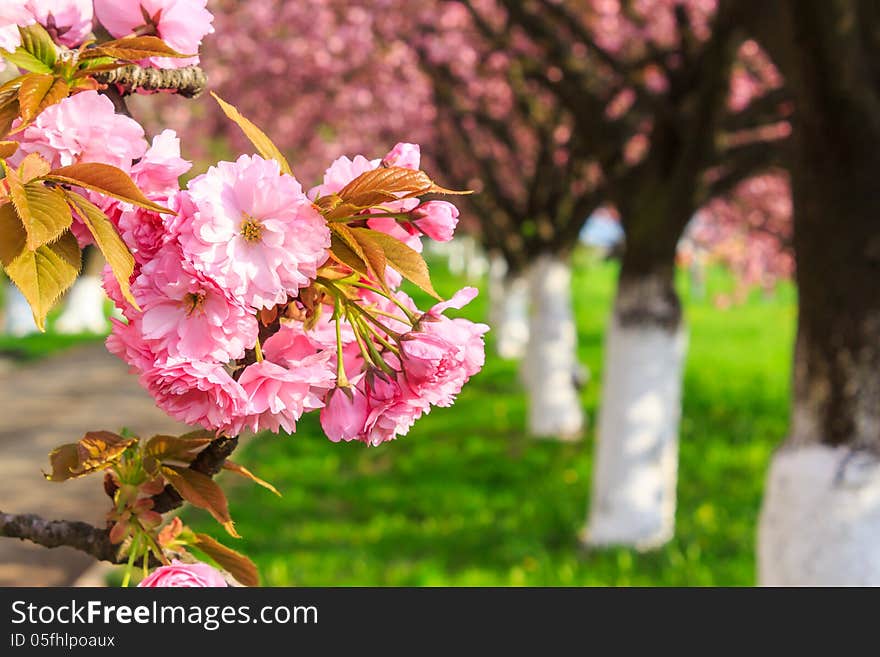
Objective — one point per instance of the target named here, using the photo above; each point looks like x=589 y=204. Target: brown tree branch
x=94 y=540
x=189 y=82
x=56 y=533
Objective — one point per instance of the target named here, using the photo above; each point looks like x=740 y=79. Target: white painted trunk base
x=820 y=519
x=509 y=312
x=83 y=308
x=18 y=320
x=554 y=404
x=636 y=464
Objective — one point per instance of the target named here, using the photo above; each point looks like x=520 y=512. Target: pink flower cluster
x=182 y=24
x=212 y=282
x=184 y=575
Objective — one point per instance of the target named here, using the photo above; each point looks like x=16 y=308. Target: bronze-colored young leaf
x=63 y=460
x=258 y=138
x=96 y=451
x=344 y=255
x=9 y=111
x=99 y=449
x=345 y=236
x=49 y=214
x=244 y=472
x=174 y=448
x=104 y=179
x=132 y=48
x=235 y=563
x=37 y=92
x=201 y=491
x=108 y=241
x=33 y=166
x=373 y=251
x=8 y=148
x=36 y=41
x=41 y=275
x=409 y=263
x=42 y=210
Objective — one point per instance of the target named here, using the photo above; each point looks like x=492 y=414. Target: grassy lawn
x=467 y=499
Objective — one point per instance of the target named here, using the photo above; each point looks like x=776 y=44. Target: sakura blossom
x=182 y=24
x=68 y=22
x=254 y=231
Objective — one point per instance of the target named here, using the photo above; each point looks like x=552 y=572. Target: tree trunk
x=636 y=464
x=820 y=521
x=509 y=309
x=554 y=403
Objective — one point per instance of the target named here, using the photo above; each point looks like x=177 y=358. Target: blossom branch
x=55 y=533
x=189 y=82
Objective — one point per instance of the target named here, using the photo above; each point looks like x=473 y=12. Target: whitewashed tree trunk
x=554 y=404
x=509 y=309
x=18 y=318
x=820 y=521
x=636 y=463
x=83 y=307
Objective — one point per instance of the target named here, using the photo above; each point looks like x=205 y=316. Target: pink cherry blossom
x=436 y=219
x=126 y=342
x=254 y=231
x=393 y=409
x=196 y=392
x=12 y=14
x=407 y=156
x=441 y=354
x=187 y=315
x=158 y=172
x=84 y=128
x=184 y=575
x=182 y=24
x=69 y=22
x=345 y=414
x=340 y=173
x=278 y=396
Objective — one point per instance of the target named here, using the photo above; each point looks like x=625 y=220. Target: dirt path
x=43 y=405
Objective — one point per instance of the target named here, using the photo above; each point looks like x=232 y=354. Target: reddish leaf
x=235 y=563
x=244 y=472
x=408 y=262
x=200 y=490
x=107 y=180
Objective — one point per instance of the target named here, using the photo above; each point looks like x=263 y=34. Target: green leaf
x=37 y=92
x=132 y=48
x=36 y=41
x=258 y=138
x=200 y=490
x=108 y=241
x=409 y=263
x=105 y=179
x=247 y=474
x=235 y=563
x=41 y=275
x=25 y=60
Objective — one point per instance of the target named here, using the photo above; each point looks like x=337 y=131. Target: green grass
x=467 y=499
